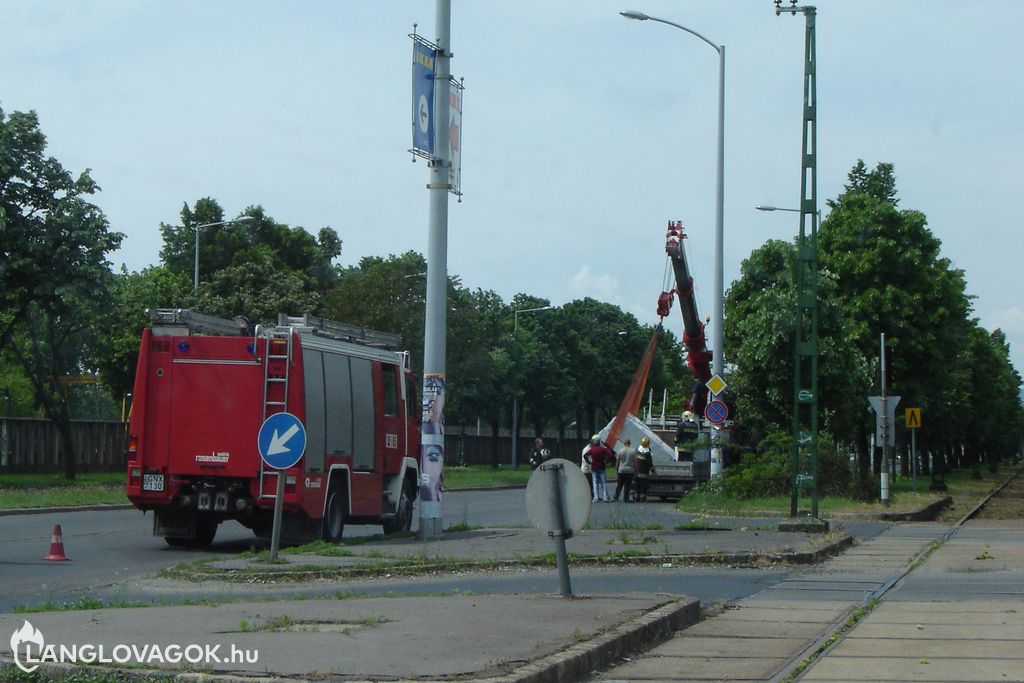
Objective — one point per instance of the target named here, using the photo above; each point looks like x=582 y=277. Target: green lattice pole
x=805 y=377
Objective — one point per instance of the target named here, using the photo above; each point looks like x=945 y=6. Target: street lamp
x=195 y=277
x=718 y=333
x=515 y=398
x=779 y=208
x=717 y=344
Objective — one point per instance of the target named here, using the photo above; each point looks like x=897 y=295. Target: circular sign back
x=542 y=496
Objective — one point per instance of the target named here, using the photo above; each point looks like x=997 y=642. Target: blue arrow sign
x=282 y=440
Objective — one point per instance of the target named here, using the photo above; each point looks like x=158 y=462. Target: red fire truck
x=205 y=385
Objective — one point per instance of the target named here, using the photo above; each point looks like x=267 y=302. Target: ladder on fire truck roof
x=342 y=331
x=170 y=320
x=173 y=320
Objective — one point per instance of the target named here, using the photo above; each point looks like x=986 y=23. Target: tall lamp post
x=717 y=344
x=515 y=397
x=195 y=276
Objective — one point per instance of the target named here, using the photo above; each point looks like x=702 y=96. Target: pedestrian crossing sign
x=913 y=418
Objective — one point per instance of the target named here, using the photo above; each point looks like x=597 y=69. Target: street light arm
x=640 y=16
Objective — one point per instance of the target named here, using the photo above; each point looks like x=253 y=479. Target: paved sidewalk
x=957 y=617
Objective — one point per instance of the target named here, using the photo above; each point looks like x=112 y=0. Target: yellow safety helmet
x=645 y=442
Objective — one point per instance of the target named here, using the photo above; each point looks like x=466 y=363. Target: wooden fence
x=472 y=449
x=34 y=445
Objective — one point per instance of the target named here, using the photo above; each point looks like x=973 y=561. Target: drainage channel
x=802 y=661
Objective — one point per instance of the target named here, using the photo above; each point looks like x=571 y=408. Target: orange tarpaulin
x=631 y=402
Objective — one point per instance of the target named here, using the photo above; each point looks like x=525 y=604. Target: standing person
x=599 y=456
x=585 y=466
x=644 y=467
x=539 y=454
x=627 y=463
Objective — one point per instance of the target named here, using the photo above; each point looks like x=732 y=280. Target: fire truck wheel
x=403 y=515
x=206 y=529
x=334 y=516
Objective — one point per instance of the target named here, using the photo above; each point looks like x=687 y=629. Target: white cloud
x=1009 y=320
x=604 y=287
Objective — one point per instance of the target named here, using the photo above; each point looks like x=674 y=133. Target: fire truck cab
x=203 y=388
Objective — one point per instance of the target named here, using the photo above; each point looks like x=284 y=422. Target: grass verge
x=19 y=491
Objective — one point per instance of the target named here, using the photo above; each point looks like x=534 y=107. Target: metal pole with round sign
x=558 y=502
x=281 y=442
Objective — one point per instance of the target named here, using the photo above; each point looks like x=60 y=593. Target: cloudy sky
x=583 y=132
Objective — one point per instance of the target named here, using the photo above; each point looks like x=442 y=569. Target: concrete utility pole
x=435 y=330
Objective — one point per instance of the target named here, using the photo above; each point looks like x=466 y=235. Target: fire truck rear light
x=251 y=348
x=183 y=346
x=185 y=501
x=136 y=473
x=289 y=483
x=133 y=447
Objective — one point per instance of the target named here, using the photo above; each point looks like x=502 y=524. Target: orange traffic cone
x=57 y=547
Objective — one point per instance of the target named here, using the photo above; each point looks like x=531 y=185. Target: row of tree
x=881 y=271
x=64 y=314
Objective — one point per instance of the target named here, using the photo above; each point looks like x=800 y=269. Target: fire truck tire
x=206 y=529
x=334 y=516
x=403 y=515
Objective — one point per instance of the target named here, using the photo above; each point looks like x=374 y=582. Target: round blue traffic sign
x=716 y=412
x=282 y=440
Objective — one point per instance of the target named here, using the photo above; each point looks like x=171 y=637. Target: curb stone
x=740 y=559
x=578 y=661
x=54 y=510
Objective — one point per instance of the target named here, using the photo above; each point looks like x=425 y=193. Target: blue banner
x=423 y=59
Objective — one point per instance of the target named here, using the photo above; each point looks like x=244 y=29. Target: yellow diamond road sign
x=716 y=384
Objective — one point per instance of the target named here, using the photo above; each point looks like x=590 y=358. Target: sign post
x=281 y=442
x=558 y=502
x=913 y=423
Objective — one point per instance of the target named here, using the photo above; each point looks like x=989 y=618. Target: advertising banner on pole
x=424 y=58
x=455 y=138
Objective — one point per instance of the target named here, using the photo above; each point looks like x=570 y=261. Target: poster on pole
x=432 y=447
x=424 y=57
x=455 y=138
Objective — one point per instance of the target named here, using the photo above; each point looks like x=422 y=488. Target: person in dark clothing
x=624 y=479
x=539 y=454
x=644 y=468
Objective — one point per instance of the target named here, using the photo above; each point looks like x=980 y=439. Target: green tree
x=759 y=336
x=133 y=294
x=277 y=249
x=891 y=279
x=54 y=274
x=386 y=294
